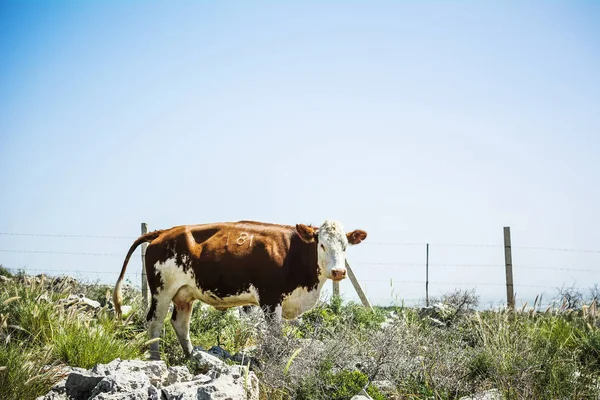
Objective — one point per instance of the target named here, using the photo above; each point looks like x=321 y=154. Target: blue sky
x=419 y=122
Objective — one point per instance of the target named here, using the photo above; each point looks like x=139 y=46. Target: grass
x=38 y=335
x=337 y=350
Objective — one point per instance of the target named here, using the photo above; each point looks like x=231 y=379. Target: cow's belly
x=298 y=302
x=244 y=298
x=188 y=293
x=175 y=277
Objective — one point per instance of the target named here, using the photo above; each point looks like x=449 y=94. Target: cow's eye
x=322 y=246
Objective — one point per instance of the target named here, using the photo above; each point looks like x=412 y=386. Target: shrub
x=5 y=271
x=340 y=385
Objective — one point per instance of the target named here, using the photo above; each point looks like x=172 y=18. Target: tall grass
x=38 y=334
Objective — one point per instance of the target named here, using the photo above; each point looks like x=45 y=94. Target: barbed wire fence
x=134 y=275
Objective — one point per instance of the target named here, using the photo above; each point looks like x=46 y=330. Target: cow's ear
x=306 y=233
x=356 y=236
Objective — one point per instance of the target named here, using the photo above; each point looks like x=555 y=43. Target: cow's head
x=331 y=242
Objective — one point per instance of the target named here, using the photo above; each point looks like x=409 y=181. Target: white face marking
x=174 y=278
x=331 y=249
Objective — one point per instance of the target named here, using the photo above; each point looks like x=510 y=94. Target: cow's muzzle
x=338 y=274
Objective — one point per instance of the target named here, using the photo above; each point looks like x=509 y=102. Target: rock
x=206 y=362
x=185 y=390
x=140 y=380
x=492 y=394
x=133 y=385
x=126 y=310
x=438 y=313
x=5 y=279
x=63 y=282
x=232 y=384
x=387 y=388
x=53 y=396
x=219 y=352
x=177 y=374
x=79 y=300
x=362 y=395
x=80 y=383
x=235 y=383
x=156 y=371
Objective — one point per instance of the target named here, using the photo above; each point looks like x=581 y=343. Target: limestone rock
x=492 y=394
x=141 y=380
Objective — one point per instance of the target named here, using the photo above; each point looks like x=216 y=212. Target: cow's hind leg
x=181 y=323
x=156 y=318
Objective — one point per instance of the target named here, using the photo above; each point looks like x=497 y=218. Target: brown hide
x=227 y=258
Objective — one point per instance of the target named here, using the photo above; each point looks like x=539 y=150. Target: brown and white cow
x=277 y=267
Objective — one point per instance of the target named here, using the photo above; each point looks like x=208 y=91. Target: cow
x=280 y=268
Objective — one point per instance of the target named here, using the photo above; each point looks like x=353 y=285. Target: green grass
x=23 y=376
x=36 y=332
x=85 y=343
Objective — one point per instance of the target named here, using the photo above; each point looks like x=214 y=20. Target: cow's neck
x=306 y=294
x=304 y=268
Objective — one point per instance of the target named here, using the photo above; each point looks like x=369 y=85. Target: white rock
x=137 y=379
x=126 y=310
x=362 y=395
x=207 y=362
x=492 y=394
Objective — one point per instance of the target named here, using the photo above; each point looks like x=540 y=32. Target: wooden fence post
x=336 y=289
x=357 y=287
x=144 y=277
x=510 y=296
x=427 y=276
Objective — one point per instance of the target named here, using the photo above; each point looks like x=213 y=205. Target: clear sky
x=430 y=121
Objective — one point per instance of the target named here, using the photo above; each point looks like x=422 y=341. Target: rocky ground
x=137 y=379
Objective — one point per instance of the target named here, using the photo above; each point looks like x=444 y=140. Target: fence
x=388 y=272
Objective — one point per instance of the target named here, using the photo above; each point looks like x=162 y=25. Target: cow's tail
x=117 y=295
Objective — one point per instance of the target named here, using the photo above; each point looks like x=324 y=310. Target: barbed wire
x=401 y=264
x=431 y=244
x=556 y=249
x=109 y=237
x=422 y=282
x=68 y=253
x=515 y=266
x=390 y=264
x=557 y=268
x=72 y=236
x=75 y=271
